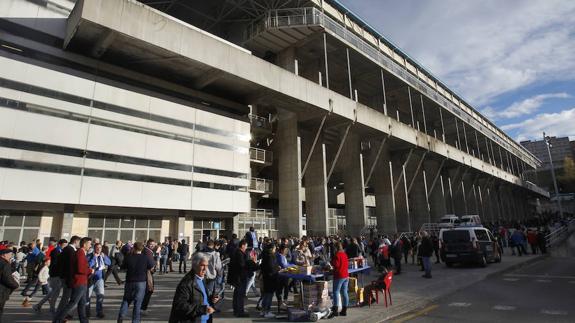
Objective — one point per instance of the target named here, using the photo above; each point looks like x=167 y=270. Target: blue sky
x=514 y=61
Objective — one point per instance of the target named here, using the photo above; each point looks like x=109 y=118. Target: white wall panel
x=7 y=122
x=121 y=118
x=24 y=185
x=204 y=199
x=241 y=163
x=166 y=196
x=50 y=130
x=220 y=179
x=241 y=202
x=104 y=191
x=121 y=97
x=213 y=157
x=56 y=81
x=54 y=103
x=174 y=151
x=40 y=157
x=172 y=110
x=117 y=141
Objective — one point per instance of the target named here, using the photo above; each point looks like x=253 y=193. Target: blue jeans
x=98 y=288
x=133 y=292
x=164 y=264
x=78 y=299
x=427 y=265
x=267 y=301
x=340 y=287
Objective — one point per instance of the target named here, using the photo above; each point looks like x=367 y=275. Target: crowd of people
x=67 y=273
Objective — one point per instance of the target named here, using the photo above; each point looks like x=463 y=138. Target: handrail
x=560 y=234
x=312 y=16
x=261 y=185
x=261 y=155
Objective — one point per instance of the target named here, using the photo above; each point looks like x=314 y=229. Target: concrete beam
x=207 y=78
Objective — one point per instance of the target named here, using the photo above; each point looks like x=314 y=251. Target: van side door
x=485 y=243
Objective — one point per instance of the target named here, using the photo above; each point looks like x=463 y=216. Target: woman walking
x=269 y=271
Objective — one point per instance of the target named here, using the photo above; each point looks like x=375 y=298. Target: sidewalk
x=409 y=290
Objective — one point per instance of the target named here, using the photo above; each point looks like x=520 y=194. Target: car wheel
x=483 y=262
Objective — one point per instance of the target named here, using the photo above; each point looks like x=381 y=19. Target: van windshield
x=445 y=220
x=456 y=236
x=464 y=220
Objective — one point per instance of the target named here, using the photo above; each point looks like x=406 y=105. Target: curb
x=420 y=304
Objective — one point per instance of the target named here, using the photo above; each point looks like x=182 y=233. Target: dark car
x=468 y=245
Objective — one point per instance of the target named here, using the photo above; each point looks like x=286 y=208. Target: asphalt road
x=541 y=292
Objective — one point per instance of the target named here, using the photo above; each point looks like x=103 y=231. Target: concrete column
x=437 y=197
x=353 y=185
x=66 y=225
x=289 y=170
x=419 y=213
x=382 y=183
x=316 y=199
x=401 y=204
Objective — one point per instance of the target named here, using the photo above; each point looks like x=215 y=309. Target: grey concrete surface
x=409 y=290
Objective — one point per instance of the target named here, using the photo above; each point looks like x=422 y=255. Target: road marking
x=511 y=279
x=504 y=308
x=553 y=312
x=572 y=282
x=540 y=276
x=543 y=280
x=457 y=304
x=416 y=314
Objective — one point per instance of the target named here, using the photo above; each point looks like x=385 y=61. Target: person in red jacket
x=339 y=262
x=79 y=284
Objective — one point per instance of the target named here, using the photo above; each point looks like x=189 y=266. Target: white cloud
x=521 y=108
x=484 y=48
x=553 y=124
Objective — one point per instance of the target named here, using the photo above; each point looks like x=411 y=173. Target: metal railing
x=431 y=228
x=558 y=235
x=314 y=17
x=260 y=213
x=261 y=155
x=261 y=185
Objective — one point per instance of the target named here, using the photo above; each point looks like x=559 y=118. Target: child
x=40 y=277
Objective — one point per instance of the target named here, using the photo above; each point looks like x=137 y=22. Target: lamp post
x=548 y=145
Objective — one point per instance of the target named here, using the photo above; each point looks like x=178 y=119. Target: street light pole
x=548 y=144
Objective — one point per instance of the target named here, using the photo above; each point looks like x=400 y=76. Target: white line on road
x=543 y=280
x=504 y=308
x=572 y=282
x=553 y=312
x=511 y=279
x=457 y=304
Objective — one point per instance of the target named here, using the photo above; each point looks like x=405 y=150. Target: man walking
x=240 y=266
x=214 y=268
x=149 y=252
x=137 y=265
x=98 y=261
x=79 y=284
x=396 y=253
x=426 y=253
x=116 y=257
x=55 y=282
x=183 y=250
x=67 y=270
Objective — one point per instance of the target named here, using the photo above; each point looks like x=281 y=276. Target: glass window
x=111 y=235
x=141 y=235
x=30 y=234
x=112 y=223
x=12 y=235
x=155 y=223
x=95 y=222
x=481 y=235
x=95 y=233
x=197 y=224
x=141 y=223
x=126 y=235
x=13 y=220
x=128 y=223
x=156 y=235
x=32 y=220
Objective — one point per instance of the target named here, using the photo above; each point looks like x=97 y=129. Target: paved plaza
x=409 y=292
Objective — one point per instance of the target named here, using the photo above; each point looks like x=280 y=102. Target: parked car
x=472 y=220
x=449 y=221
x=468 y=245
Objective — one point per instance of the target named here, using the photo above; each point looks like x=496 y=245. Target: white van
x=470 y=220
x=448 y=221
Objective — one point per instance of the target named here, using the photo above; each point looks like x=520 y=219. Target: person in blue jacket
x=98 y=261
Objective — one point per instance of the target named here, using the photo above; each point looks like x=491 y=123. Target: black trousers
x=183 y=261
x=148 y=295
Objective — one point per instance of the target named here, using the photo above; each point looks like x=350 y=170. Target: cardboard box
x=352 y=286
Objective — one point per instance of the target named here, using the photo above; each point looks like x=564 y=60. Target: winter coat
x=269 y=271
x=240 y=268
x=426 y=247
x=340 y=264
x=7 y=282
x=187 y=306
